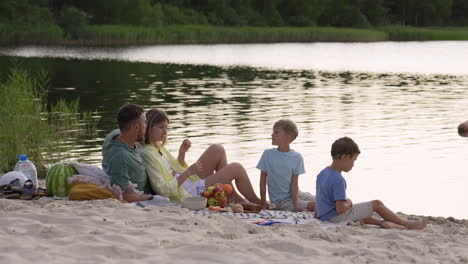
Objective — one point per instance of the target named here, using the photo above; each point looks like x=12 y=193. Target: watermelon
x=57 y=179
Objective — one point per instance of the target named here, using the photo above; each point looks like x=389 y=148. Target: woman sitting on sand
x=173 y=178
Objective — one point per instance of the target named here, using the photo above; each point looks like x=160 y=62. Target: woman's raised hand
x=184 y=147
x=186 y=144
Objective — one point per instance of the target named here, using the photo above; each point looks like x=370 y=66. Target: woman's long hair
x=153 y=117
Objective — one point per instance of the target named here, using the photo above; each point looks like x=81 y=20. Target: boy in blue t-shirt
x=332 y=204
x=280 y=168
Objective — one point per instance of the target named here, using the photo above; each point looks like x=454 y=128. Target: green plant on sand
x=29 y=125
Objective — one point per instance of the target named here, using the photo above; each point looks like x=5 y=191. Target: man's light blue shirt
x=280 y=167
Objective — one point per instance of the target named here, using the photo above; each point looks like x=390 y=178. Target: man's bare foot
x=387 y=225
x=416 y=225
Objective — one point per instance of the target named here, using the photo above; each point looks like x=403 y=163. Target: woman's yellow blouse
x=161 y=180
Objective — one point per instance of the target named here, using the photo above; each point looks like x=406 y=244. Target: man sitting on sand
x=121 y=158
x=332 y=204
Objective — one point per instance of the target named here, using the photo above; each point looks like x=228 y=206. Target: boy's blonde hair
x=288 y=126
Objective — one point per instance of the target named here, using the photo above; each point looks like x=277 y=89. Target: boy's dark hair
x=344 y=146
x=128 y=114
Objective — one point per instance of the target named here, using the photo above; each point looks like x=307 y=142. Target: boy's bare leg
x=212 y=160
x=235 y=172
x=382 y=223
x=390 y=216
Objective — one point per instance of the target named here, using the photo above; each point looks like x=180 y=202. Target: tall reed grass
x=206 y=34
x=122 y=35
x=398 y=33
x=36 y=34
x=31 y=126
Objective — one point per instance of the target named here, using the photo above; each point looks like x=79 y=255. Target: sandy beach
x=108 y=231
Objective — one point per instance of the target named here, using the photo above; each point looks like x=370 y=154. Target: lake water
x=401 y=102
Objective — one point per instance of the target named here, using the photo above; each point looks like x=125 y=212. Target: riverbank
x=116 y=35
x=58 y=231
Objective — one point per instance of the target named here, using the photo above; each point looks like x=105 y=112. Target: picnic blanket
x=264 y=217
x=269 y=217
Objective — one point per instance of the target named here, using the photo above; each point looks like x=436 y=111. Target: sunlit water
x=405 y=123
x=445 y=57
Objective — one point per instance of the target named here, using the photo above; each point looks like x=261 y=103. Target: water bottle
x=27 y=168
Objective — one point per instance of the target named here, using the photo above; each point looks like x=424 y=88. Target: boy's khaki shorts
x=357 y=212
x=287 y=204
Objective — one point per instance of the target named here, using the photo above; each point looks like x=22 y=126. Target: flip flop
x=28 y=191
x=11 y=196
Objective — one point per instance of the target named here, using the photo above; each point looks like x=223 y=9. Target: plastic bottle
x=27 y=168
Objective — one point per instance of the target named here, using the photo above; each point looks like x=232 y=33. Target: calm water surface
x=401 y=102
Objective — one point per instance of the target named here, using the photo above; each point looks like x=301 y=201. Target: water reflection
x=406 y=124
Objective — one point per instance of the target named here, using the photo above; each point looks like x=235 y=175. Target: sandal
x=11 y=196
x=28 y=191
x=14 y=186
x=41 y=192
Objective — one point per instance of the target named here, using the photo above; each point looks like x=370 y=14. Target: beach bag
x=87 y=191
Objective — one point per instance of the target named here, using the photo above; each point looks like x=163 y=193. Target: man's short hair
x=127 y=115
x=344 y=146
x=288 y=127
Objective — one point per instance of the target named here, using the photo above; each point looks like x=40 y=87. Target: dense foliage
x=30 y=125
x=71 y=15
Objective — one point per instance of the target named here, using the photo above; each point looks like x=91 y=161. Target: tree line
x=72 y=14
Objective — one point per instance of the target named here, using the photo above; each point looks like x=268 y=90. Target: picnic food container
x=194 y=203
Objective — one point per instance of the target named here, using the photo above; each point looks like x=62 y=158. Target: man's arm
x=131 y=197
x=120 y=173
x=295 y=192
x=343 y=205
x=263 y=181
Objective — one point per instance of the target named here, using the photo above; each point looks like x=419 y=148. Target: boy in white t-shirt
x=280 y=168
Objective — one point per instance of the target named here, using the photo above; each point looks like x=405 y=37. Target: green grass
x=123 y=35
x=421 y=34
x=205 y=34
x=30 y=34
x=27 y=126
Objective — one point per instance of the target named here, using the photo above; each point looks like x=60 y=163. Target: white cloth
x=93 y=171
x=12 y=175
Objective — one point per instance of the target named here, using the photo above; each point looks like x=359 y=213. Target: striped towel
x=268 y=217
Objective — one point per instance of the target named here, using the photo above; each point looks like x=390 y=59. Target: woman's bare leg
x=235 y=197
x=212 y=160
x=235 y=172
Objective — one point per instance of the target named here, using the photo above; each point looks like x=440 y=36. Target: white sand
x=107 y=231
